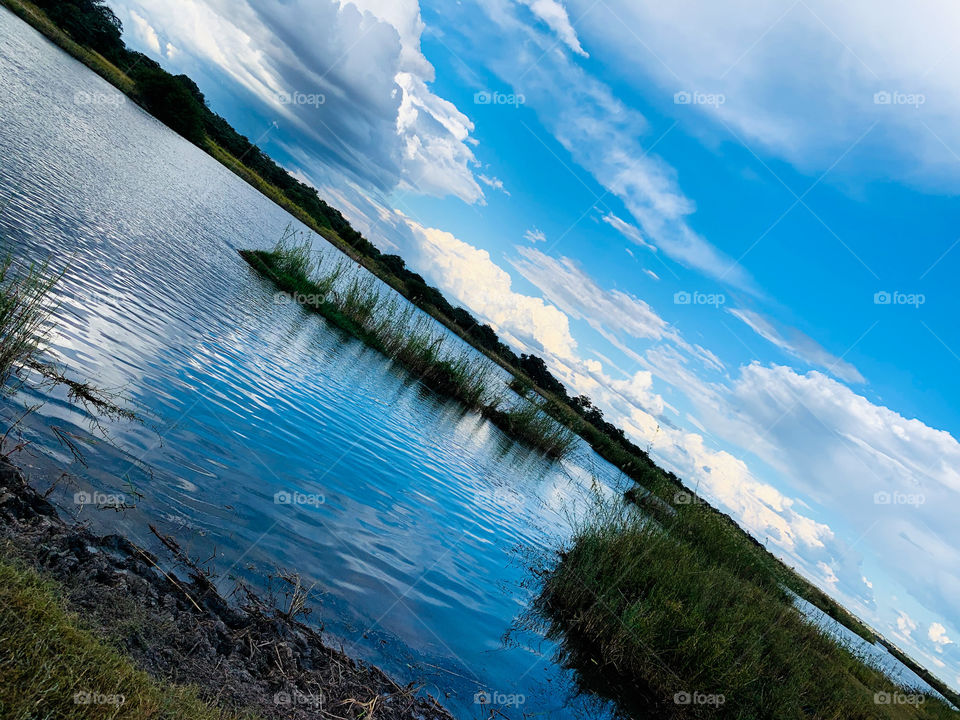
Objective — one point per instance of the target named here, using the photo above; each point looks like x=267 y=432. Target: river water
x=415 y=520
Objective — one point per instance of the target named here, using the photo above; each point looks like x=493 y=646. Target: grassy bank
x=53 y=668
x=352 y=301
x=663 y=620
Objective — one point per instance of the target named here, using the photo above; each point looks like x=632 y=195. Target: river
x=417 y=521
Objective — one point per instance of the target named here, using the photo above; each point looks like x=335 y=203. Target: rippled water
x=423 y=514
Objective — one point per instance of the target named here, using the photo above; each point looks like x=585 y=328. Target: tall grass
x=25 y=310
x=354 y=301
x=53 y=668
x=655 y=616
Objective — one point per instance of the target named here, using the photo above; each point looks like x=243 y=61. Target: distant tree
x=171 y=102
x=88 y=22
x=536 y=369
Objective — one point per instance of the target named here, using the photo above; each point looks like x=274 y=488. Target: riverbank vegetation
x=355 y=302
x=680 y=619
x=52 y=667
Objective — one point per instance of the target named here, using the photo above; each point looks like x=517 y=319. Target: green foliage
x=88 y=22
x=170 y=100
x=645 y=611
x=53 y=668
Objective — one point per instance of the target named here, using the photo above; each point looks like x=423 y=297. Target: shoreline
x=245 y=658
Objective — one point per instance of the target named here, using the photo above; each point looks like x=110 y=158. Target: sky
x=731 y=225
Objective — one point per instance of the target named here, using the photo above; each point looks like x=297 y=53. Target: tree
x=170 y=101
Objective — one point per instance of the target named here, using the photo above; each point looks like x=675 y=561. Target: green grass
x=531 y=425
x=53 y=668
x=645 y=611
x=356 y=303
x=25 y=311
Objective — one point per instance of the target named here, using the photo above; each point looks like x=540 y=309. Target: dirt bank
x=241 y=654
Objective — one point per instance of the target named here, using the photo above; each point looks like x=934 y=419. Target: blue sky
x=733 y=227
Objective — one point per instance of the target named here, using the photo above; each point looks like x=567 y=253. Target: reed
x=357 y=303
x=655 y=616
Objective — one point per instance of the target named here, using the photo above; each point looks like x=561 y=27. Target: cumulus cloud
x=379 y=122
x=798 y=345
x=145 y=32
x=938 y=634
x=905 y=624
x=609 y=312
x=468 y=274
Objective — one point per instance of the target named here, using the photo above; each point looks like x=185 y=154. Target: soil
x=241 y=654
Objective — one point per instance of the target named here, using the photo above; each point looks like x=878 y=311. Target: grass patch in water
x=356 y=303
x=659 y=618
x=53 y=668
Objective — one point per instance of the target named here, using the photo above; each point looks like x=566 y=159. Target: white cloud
x=829 y=576
x=608 y=312
x=172 y=51
x=468 y=274
x=436 y=154
x=798 y=345
x=748 y=52
x=628 y=231
x=905 y=624
x=652 y=274
x=379 y=122
x=145 y=32
x=534 y=235
x=493 y=182
x=938 y=634
x=555 y=16
x=607 y=138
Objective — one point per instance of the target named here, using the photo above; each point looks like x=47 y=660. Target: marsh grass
x=355 y=302
x=50 y=664
x=25 y=311
x=645 y=611
x=528 y=423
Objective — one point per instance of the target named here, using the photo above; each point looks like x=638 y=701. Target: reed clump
x=357 y=303
x=654 y=616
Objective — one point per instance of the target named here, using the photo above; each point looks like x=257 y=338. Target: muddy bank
x=241 y=654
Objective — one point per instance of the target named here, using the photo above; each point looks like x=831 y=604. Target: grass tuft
x=53 y=668
x=355 y=302
x=652 y=613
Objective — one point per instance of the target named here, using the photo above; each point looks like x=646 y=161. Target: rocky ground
x=242 y=654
